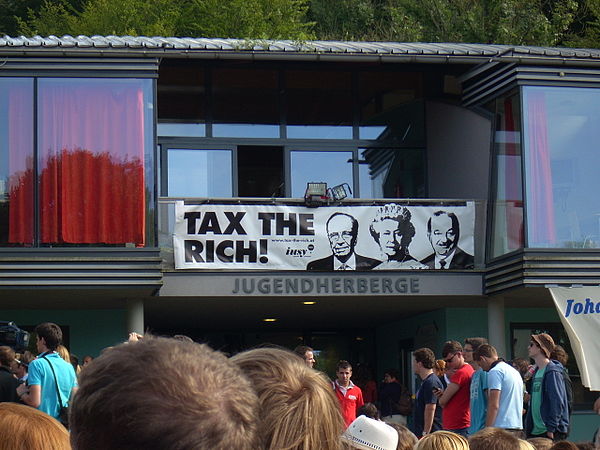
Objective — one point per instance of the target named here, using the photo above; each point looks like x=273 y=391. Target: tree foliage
x=258 y=19
x=514 y=22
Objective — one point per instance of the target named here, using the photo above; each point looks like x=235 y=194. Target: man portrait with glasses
x=455 y=400
x=342 y=232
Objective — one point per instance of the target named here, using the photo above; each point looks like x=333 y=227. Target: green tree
x=257 y=19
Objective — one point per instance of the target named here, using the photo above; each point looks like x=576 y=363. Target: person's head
x=25 y=428
x=485 y=356
x=471 y=345
x=343 y=373
x=49 y=336
x=369 y=410
x=342 y=232
x=424 y=360
x=524 y=445
x=495 y=438
x=87 y=359
x=564 y=445
x=541 y=346
x=391 y=376
x=452 y=352
x=392 y=230
x=63 y=353
x=442 y=440
x=298 y=409
x=307 y=354
x=443 y=232
x=521 y=364
x=541 y=443
x=21 y=367
x=168 y=391
x=559 y=354
x=440 y=367
x=406 y=438
x=366 y=433
x=7 y=356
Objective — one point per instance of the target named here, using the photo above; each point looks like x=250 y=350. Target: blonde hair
x=442 y=440
x=298 y=409
x=25 y=428
x=524 y=445
x=64 y=353
x=492 y=437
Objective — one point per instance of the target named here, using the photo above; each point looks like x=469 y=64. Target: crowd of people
x=172 y=393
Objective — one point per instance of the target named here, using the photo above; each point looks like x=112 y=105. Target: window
x=561 y=134
x=16 y=162
x=507 y=201
x=280 y=125
x=333 y=167
x=391 y=107
x=245 y=103
x=94 y=163
x=319 y=104
x=200 y=173
x=521 y=336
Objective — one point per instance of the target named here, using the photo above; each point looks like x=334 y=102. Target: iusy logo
x=300 y=252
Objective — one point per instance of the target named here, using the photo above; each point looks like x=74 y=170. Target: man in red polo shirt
x=348 y=394
x=455 y=401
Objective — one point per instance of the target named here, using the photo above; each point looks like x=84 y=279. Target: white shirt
x=348 y=265
x=447 y=260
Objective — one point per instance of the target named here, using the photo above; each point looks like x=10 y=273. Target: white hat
x=371 y=434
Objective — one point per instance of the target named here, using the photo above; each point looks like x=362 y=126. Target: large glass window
x=182 y=99
x=334 y=168
x=93 y=140
x=93 y=180
x=245 y=103
x=391 y=173
x=319 y=104
x=507 y=203
x=391 y=107
x=561 y=135
x=16 y=161
x=200 y=173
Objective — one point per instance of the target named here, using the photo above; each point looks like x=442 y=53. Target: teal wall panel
x=90 y=330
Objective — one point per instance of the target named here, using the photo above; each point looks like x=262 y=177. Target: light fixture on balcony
x=316 y=194
x=339 y=192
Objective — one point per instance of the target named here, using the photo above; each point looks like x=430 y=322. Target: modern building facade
x=111 y=146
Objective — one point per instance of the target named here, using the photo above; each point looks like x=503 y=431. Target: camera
x=12 y=336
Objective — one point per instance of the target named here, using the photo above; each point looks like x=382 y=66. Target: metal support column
x=496 y=325
x=135 y=316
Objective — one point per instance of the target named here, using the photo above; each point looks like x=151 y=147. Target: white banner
x=328 y=238
x=579 y=311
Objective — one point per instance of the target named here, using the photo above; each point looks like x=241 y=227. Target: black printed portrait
x=443 y=231
x=342 y=232
x=393 y=231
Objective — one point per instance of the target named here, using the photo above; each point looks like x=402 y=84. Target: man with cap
x=548 y=413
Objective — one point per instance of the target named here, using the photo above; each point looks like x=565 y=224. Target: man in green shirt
x=548 y=414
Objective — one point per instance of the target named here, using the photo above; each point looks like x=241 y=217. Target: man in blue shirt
x=505 y=390
x=478 y=392
x=40 y=391
x=427 y=416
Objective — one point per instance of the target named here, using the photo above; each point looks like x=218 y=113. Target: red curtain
x=20 y=162
x=513 y=184
x=540 y=207
x=91 y=170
